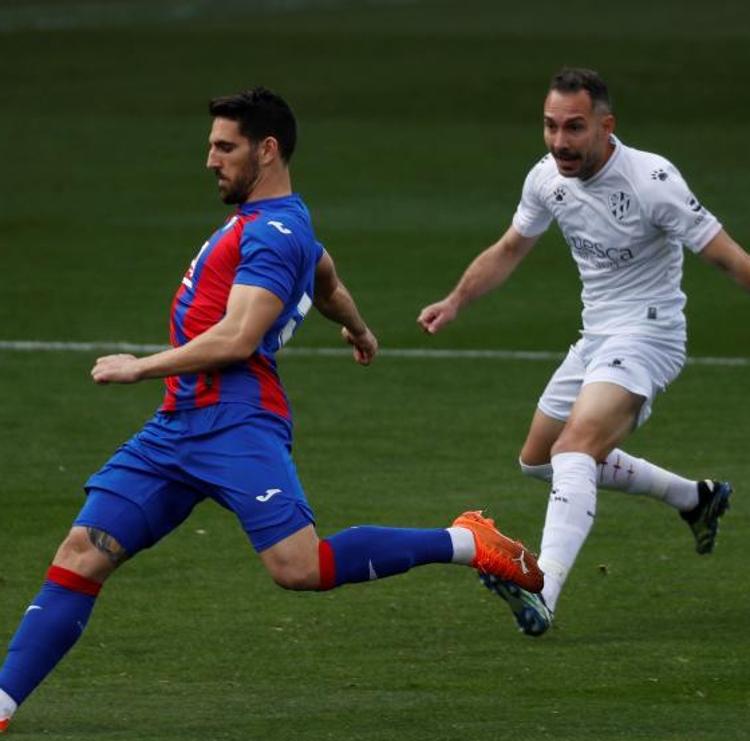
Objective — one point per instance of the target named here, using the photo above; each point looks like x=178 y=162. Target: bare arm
x=334 y=302
x=488 y=270
x=251 y=311
x=723 y=252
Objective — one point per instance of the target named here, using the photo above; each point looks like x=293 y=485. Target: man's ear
x=609 y=122
x=268 y=150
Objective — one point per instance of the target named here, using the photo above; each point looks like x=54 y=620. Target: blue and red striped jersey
x=268 y=243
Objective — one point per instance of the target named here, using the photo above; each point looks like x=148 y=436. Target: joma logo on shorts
x=269 y=493
x=598 y=254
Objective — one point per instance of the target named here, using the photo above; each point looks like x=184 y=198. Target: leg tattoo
x=105 y=543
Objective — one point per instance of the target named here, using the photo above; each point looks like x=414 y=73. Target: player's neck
x=271 y=185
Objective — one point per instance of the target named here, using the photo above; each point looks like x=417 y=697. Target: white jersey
x=626 y=227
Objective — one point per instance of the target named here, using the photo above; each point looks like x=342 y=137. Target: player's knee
x=75 y=546
x=580 y=438
x=296 y=579
x=78 y=553
x=541 y=471
x=293 y=563
x=535 y=451
x=298 y=575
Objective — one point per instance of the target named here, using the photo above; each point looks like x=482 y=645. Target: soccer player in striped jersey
x=626 y=215
x=224 y=430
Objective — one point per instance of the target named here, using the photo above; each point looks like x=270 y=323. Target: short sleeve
x=267 y=260
x=675 y=210
x=319 y=252
x=532 y=216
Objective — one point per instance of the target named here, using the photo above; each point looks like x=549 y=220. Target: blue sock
x=53 y=622
x=368 y=552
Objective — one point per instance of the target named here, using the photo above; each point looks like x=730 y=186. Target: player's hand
x=119 y=368
x=365 y=345
x=435 y=316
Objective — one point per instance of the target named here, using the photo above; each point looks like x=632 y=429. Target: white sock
x=623 y=472
x=542 y=471
x=7 y=705
x=570 y=516
x=464 y=546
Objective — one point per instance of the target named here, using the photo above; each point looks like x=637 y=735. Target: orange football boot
x=500 y=556
x=4 y=723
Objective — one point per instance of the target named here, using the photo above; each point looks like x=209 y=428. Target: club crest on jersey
x=619 y=204
x=560 y=194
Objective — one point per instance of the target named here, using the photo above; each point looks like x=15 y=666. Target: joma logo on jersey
x=279 y=227
x=598 y=254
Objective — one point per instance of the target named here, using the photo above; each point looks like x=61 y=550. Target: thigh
x=561 y=392
x=640 y=365
x=603 y=415
x=135 y=500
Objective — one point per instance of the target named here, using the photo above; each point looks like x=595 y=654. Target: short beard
x=588 y=168
x=240 y=190
x=591 y=165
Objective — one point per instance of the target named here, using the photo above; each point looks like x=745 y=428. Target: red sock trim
x=74 y=582
x=327 y=565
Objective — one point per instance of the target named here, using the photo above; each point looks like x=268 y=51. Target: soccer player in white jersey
x=626 y=216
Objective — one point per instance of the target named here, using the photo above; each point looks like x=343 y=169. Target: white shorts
x=643 y=365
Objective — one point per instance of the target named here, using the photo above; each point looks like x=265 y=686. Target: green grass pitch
x=418 y=122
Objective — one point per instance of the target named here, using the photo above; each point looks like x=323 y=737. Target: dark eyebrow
x=221 y=143
x=574 y=119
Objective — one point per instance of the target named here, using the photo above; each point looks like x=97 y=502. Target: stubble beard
x=237 y=191
x=588 y=165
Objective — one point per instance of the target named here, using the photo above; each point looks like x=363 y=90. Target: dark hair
x=573 y=79
x=260 y=113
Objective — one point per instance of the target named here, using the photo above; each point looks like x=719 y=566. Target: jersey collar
x=251 y=206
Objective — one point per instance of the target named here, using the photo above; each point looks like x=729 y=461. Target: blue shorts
x=226 y=452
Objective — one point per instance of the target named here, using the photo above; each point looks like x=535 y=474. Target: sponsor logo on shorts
x=616 y=363
x=269 y=493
